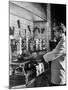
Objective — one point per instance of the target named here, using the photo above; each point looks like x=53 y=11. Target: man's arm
x=56 y=53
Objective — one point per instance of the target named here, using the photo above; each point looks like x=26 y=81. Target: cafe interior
x=30 y=32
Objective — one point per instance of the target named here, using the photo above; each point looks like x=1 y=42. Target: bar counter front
x=29 y=71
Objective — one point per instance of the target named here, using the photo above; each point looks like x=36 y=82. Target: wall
x=36 y=11
x=26 y=13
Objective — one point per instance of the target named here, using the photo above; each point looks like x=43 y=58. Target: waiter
x=58 y=58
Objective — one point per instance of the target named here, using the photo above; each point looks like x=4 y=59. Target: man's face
x=56 y=34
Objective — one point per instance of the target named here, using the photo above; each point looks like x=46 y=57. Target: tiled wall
x=26 y=13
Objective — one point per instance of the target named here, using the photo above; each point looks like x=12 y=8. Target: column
x=48 y=24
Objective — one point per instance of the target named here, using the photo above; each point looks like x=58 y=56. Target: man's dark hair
x=59 y=29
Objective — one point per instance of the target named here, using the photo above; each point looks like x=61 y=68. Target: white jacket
x=58 y=65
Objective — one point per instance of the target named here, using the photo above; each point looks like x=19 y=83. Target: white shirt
x=58 y=65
